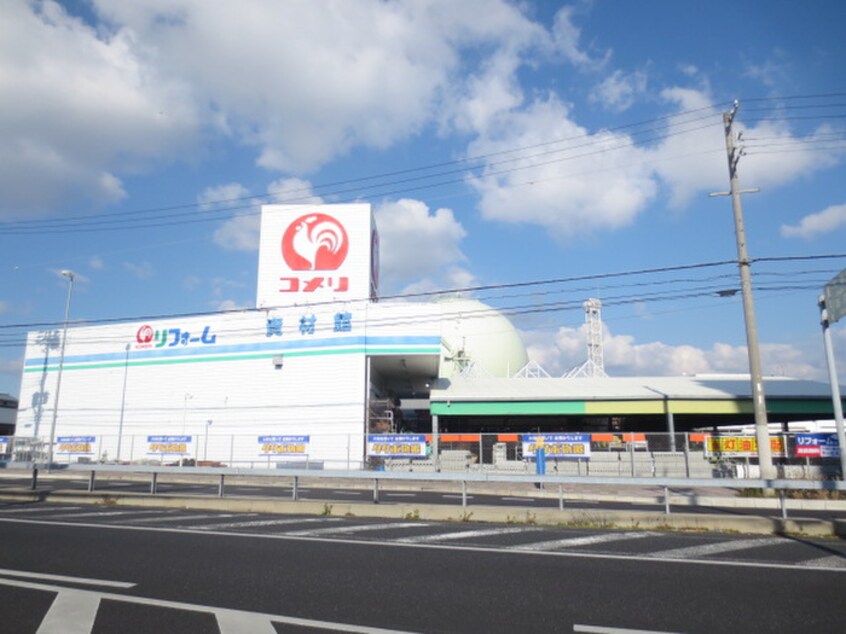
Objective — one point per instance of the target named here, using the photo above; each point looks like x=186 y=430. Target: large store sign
x=316 y=253
x=147 y=337
x=76 y=445
x=396 y=446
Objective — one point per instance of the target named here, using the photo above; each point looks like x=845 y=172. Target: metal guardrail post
x=91 y=481
x=220 y=486
x=154 y=483
x=666 y=500
x=375 y=491
x=464 y=493
x=560 y=497
x=294 y=489
x=34 y=483
x=783 y=501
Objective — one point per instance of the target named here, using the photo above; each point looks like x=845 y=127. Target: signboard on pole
x=76 y=445
x=396 y=445
x=283 y=445
x=168 y=445
x=817 y=446
x=740 y=446
x=835 y=296
x=556 y=446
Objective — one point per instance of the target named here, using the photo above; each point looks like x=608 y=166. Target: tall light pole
x=69 y=276
x=122 y=402
x=185 y=410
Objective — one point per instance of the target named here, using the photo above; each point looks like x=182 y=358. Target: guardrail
x=779 y=486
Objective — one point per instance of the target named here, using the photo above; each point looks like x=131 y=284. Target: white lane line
x=598 y=629
x=103 y=513
x=833 y=561
x=41 y=509
x=589 y=540
x=81 y=580
x=509 y=499
x=72 y=612
x=355 y=493
x=400 y=495
x=421 y=539
x=208 y=527
x=341 y=530
x=455 y=496
x=63 y=516
x=184 y=518
x=694 y=552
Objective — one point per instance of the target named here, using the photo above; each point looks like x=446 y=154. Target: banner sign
x=76 y=445
x=396 y=445
x=741 y=446
x=556 y=446
x=4 y=445
x=169 y=445
x=283 y=445
x=817 y=446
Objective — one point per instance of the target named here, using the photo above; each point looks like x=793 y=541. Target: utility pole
x=762 y=434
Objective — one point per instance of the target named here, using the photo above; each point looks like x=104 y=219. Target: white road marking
x=104 y=513
x=589 y=540
x=722 y=563
x=355 y=493
x=510 y=499
x=595 y=629
x=79 y=609
x=420 y=539
x=833 y=561
x=81 y=580
x=264 y=523
x=41 y=509
x=693 y=552
x=233 y=622
x=455 y=496
x=185 y=518
x=72 y=612
x=400 y=495
x=340 y=530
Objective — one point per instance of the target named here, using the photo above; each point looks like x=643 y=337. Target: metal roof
x=701 y=387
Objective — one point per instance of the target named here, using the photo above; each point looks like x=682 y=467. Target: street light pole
x=69 y=276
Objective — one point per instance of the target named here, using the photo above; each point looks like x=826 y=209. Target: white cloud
x=618 y=91
x=223 y=196
x=558 y=352
x=419 y=250
x=84 y=108
x=141 y=270
x=820 y=223
x=96 y=263
x=586 y=182
x=241 y=232
x=317 y=78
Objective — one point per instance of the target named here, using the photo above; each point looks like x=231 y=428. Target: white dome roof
x=481 y=335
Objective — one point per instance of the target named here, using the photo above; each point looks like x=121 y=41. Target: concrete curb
x=587 y=518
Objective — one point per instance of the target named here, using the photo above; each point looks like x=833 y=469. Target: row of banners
x=554 y=446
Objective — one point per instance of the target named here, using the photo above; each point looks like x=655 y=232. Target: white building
x=305 y=375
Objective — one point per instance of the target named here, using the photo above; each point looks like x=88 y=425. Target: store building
x=320 y=365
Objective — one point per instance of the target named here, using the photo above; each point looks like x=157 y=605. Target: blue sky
x=500 y=143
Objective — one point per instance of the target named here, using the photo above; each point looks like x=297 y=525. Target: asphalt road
x=76 y=569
